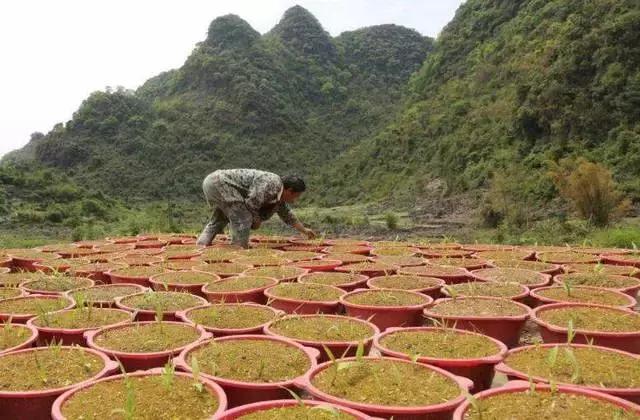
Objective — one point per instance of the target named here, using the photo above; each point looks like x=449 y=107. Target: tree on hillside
x=590 y=189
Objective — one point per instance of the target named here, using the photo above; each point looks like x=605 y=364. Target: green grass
x=357 y=220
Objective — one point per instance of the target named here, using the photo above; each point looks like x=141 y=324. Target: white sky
x=54 y=53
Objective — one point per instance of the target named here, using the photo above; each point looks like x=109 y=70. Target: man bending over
x=247 y=197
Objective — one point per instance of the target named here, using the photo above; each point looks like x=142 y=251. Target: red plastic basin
x=106 y=303
x=542 y=300
x=521 y=386
x=193 y=288
x=503 y=328
x=431 y=412
x=480 y=370
x=223 y=332
x=23 y=318
x=69 y=336
x=244 y=410
x=358 y=280
x=625 y=341
x=255 y=295
x=141 y=361
x=629 y=290
x=36 y=405
x=119 y=278
x=28 y=342
x=300 y=306
x=433 y=291
x=387 y=316
x=319 y=265
x=210 y=386
x=239 y=392
x=630 y=394
x=450 y=275
x=149 y=315
x=338 y=348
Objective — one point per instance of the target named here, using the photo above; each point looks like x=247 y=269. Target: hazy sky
x=54 y=53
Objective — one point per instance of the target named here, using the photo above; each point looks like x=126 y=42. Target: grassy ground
x=366 y=221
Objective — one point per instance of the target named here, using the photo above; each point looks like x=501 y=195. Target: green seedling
x=575 y=377
x=83 y=358
x=331 y=410
x=474 y=403
x=453 y=293
x=129 y=409
x=554 y=386
x=43 y=314
x=42 y=372
x=567 y=288
x=168 y=375
x=56 y=347
x=332 y=358
x=195 y=371
x=295 y=396
x=159 y=313
x=360 y=351
x=570 y=332
x=552 y=357
x=532 y=385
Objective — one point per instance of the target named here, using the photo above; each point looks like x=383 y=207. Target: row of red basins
x=363 y=265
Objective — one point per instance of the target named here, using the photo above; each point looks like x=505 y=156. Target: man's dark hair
x=294 y=182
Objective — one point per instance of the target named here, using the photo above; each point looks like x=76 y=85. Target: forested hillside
x=511 y=87
x=289 y=101
x=509 y=97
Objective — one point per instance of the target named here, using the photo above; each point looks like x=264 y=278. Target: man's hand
x=308 y=233
x=304 y=230
x=256 y=224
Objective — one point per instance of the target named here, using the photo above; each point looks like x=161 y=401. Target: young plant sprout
x=129 y=409
x=552 y=357
x=570 y=332
x=574 y=363
x=56 y=347
x=331 y=410
x=295 y=396
x=532 y=385
x=168 y=375
x=42 y=372
x=159 y=314
x=83 y=359
x=453 y=293
x=195 y=370
x=43 y=314
x=554 y=386
x=474 y=403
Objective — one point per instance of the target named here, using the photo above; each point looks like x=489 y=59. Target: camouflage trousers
x=228 y=208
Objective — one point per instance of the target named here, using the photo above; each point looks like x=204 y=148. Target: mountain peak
x=300 y=30
x=231 y=31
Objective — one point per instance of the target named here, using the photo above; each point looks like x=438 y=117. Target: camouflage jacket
x=259 y=190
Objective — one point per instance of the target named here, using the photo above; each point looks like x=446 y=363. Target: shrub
x=619 y=237
x=591 y=190
x=391 y=219
x=511 y=196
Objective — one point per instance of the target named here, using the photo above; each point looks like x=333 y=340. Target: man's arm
x=287 y=216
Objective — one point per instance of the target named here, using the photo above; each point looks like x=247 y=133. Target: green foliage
x=288 y=101
x=526 y=81
x=508 y=89
x=33 y=195
x=391 y=220
x=591 y=190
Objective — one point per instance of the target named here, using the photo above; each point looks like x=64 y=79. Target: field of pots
x=154 y=327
